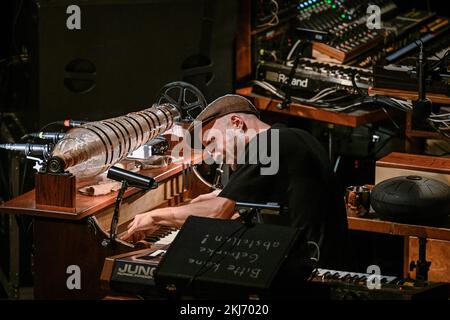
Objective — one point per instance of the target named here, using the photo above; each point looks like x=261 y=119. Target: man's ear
x=238 y=122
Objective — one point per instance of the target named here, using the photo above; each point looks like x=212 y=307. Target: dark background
x=125 y=52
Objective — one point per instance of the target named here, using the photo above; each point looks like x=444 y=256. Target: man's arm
x=217 y=207
x=206 y=196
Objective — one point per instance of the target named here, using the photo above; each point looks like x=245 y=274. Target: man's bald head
x=223 y=136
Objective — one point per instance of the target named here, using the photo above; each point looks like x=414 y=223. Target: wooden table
x=437 y=238
x=410 y=131
x=409 y=95
x=87 y=205
x=64 y=240
x=352 y=119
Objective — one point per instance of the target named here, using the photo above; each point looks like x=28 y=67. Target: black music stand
x=216 y=259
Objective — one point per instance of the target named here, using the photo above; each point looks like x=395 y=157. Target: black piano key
x=151 y=239
x=347 y=277
x=336 y=276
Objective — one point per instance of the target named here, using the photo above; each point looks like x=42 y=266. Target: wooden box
x=404 y=164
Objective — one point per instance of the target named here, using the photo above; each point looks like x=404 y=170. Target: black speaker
x=124 y=51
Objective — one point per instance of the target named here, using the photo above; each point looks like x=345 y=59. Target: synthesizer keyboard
x=345 y=24
x=161 y=237
x=343 y=285
x=313 y=76
x=132 y=273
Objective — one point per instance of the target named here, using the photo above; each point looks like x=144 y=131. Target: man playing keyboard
x=274 y=163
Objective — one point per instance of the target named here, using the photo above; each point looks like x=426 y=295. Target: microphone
x=52 y=136
x=29 y=149
x=132 y=179
x=422 y=107
x=68 y=123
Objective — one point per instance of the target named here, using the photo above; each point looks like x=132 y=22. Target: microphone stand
x=305 y=35
x=116 y=215
x=287 y=98
x=422 y=106
x=247 y=215
x=250 y=210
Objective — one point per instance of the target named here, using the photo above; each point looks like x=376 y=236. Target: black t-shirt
x=303 y=182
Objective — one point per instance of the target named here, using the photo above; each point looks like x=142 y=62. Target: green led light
x=333 y=6
x=343 y=16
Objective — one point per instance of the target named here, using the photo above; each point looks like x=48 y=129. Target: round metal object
x=188 y=99
x=411 y=199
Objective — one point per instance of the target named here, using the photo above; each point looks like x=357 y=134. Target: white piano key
x=167 y=239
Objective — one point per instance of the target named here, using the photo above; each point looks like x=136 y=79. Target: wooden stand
x=62 y=238
x=55 y=191
x=410 y=131
x=435 y=238
x=398 y=164
x=352 y=119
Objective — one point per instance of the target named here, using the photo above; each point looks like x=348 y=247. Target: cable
x=440 y=115
x=441 y=60
x=315 y=260
x=268 y=87
x=358 y=89
x=437 y=121
x=13 y=31
x=318 y=251
x=48 y=125
x=318 y=103
x=321 y=94
x=445 y=134
x=294 y=47
x=390 y=118
x=274 y=11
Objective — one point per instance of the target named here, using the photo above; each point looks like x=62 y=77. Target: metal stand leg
x=331 y=144
x=421 y=265
x=11 y=283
